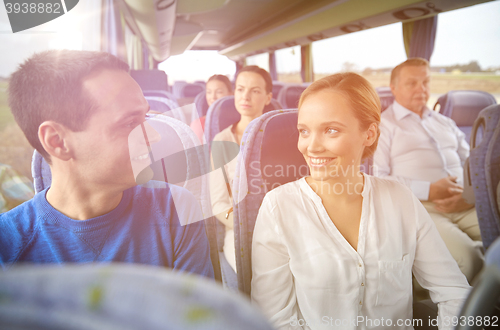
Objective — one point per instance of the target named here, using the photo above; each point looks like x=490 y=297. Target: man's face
x=106 y=151
x=411 y=88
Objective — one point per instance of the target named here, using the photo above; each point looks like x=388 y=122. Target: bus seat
x=151 y=79
x=201 y=103
x=177 y=87
x=167 y=107
x=191 y=90
x=185 y=162
x=464 y=107
x=277 y=86
x=40 y=170
x=484 y=163
x=386 y=97
x=220 y=115
x=158 y=93
x=223 y=113
x=159 y=106
x=119 y=296
x=483 y=300
x=179 y=155
x=269 y=146
x=289 y=96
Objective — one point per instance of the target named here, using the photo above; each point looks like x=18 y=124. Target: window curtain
x=419 y=37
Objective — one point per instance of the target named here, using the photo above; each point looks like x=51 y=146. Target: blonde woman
x=337 y=249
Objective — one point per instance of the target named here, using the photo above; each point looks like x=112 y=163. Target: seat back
x=178 y=158
x=222 y=113
x=200 y=101
x=268 y=158
x=191 y=90
x=464 y=107
x=277 y=86
x=177 y=88
x=159 y=93
x=289 y=96
x=484 y=297
x=386 y=97
x=151 y=79
x=168 y=107
x=484 y=162
x=119 y=296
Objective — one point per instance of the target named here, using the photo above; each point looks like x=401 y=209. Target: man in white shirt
x=426 y=151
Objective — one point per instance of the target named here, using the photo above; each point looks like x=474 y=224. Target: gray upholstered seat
x=464 y=107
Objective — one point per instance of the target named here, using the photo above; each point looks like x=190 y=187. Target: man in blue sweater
x=78 y=110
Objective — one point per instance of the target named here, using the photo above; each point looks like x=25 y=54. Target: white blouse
x=305 y=272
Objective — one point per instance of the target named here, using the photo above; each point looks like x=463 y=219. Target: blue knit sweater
x=144 y=228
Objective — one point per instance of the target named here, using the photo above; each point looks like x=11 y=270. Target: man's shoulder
x=17 y=228
x=387 y=116
x=442 y=118
x=23 y=213
x=160 y=190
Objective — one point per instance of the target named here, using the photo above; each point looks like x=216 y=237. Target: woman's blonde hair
x=361 y=95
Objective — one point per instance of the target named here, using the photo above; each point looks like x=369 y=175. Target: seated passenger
x=337 y=248
x=252 y=93
x=426 y=151
x=217 y=86
x=77 y=109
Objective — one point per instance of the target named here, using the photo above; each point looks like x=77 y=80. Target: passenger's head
x=253 y=91
x=217 y=86
x=49 y=86
x=79 y=108
x=338 y=123
x=410 y=84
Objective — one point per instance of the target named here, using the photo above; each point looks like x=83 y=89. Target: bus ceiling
x=241 y=28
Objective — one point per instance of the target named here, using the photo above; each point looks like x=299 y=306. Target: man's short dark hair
x=48 y=86
x=263 y=73
x=414 y=61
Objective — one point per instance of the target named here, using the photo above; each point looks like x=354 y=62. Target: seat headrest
x=151 y=79
x=289 y=95
x=228 y=114
x=191 y=90
x=281 y=161
x=464 y=106
x=169 y=155
x=158 y=106
x=177 y=88
x=386 y=97
x=201 y=104
x=276 y=90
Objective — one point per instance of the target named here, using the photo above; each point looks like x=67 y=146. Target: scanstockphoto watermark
x=259 y=173
x=359 y=321
x=292 y=170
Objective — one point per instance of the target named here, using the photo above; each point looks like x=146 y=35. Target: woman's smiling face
x=330 y=137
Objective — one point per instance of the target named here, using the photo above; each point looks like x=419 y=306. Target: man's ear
x=54 y=139
x=393 y=87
